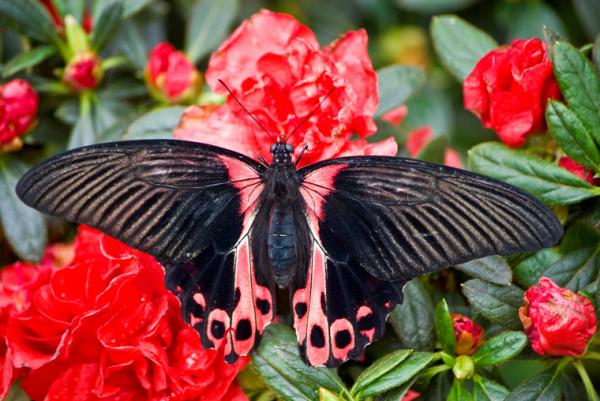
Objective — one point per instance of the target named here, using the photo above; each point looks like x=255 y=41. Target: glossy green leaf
x=412 y=320
x=27 y=59
x=579 y=84
x=397 y=83
x=379 y=369
x=397 y=393
x=499 y=304
x=107 y=24
x=493 y=269
x=487 y=390
x=529 y=270
x=444 y=328
x=208 y=26
x=546 y=181
x=575 y=269
x=571 y=135
x=542 y=387
x=459 y=44
x=402 y=373
x=278 y=363
x=83 y=133
x=527 y=19
x=23 y=227
x=500 y=348
x=157 y=124
x=459 y=392
x=30 y=18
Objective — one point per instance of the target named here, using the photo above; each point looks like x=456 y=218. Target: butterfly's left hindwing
x=190 y=205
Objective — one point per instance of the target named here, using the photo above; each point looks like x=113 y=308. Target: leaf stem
x=592 y=355
x=587 y=382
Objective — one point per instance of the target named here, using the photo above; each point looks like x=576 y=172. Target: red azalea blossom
x=396 y=115
x=84 y=71
x=577 y=169
x=171 y=76
x=104 y=327
x=276 y=68
x=411 y=395
x=18 y=107
x=557 y=320
x=469 y=335
x=509 y=87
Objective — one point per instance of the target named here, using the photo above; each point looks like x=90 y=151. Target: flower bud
x=557 y=320
x=171 y=76
x=84 y=71
x=464 y=367
x=469 y=335
x=18 y=107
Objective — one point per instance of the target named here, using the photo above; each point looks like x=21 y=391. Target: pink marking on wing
x=362 y=312
x=199 y=299
x=246 y=308
x=247 y=181
x=336 y=327
x=321 y=182
x=194 y=320
x=219 y=315
x=316 y=316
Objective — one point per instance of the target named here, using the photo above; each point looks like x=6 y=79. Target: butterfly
x=344 y=234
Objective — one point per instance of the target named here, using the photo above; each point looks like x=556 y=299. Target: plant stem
x=587 y=382
x=592 y=355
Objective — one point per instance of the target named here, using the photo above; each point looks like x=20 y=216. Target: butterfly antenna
x=246 y=110
x=305 y=119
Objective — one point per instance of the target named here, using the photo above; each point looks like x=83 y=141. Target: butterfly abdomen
x=281 y=243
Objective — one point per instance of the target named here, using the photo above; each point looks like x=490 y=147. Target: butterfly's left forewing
x=190 y=205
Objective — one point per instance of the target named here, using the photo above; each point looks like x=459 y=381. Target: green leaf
x=542 y=387
x=529 y=270
x=83 y=133
x=107 y=24
x=132 y=7
x=131 y=42
x=70 y=7
x=402 y=373
x=435 y=150
x=30 y=18
x=434 y=6
x=326 y=395
x=487 y=390
x=500 y=348
x=546 y=181
x=27 y=59
x=596 y=54
x=444 y=328
x=576 y=269
x=579 y=234
x=579 y=85
x=16 y=393
x=572 y=136
x=459 y=392
x=207 y=26
x=551 y=38
x=493 y=269
x=379 y=369
x=397 y=83
x=496 y=303
x=398 y=393
x=77 y=38
x=413 y=319
x=459 y=44
x=278 y=363
x=24 y=227
x=438 y=389
x=157 y=124
x=589 y=14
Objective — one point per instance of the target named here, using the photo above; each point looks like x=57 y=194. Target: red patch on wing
x=249 y=184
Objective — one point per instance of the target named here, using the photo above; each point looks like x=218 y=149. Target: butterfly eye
x=289 y=147
x=273 y=147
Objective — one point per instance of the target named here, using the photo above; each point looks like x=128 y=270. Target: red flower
x=577 y=169
x=18 y=106
x=557 y=320
x=411 y=395
x=171 y=76
x=509 y=88
x=84 y=71
x=396 y=115
x=58 y=20
x=105 y=327
x=274 y=65
x=420 y=137
x=469 y=335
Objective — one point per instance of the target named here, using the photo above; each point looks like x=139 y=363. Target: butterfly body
x=344 y=235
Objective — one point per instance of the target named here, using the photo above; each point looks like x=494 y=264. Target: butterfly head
x=282 y=153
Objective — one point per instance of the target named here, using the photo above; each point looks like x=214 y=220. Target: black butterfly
x=344 y=234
